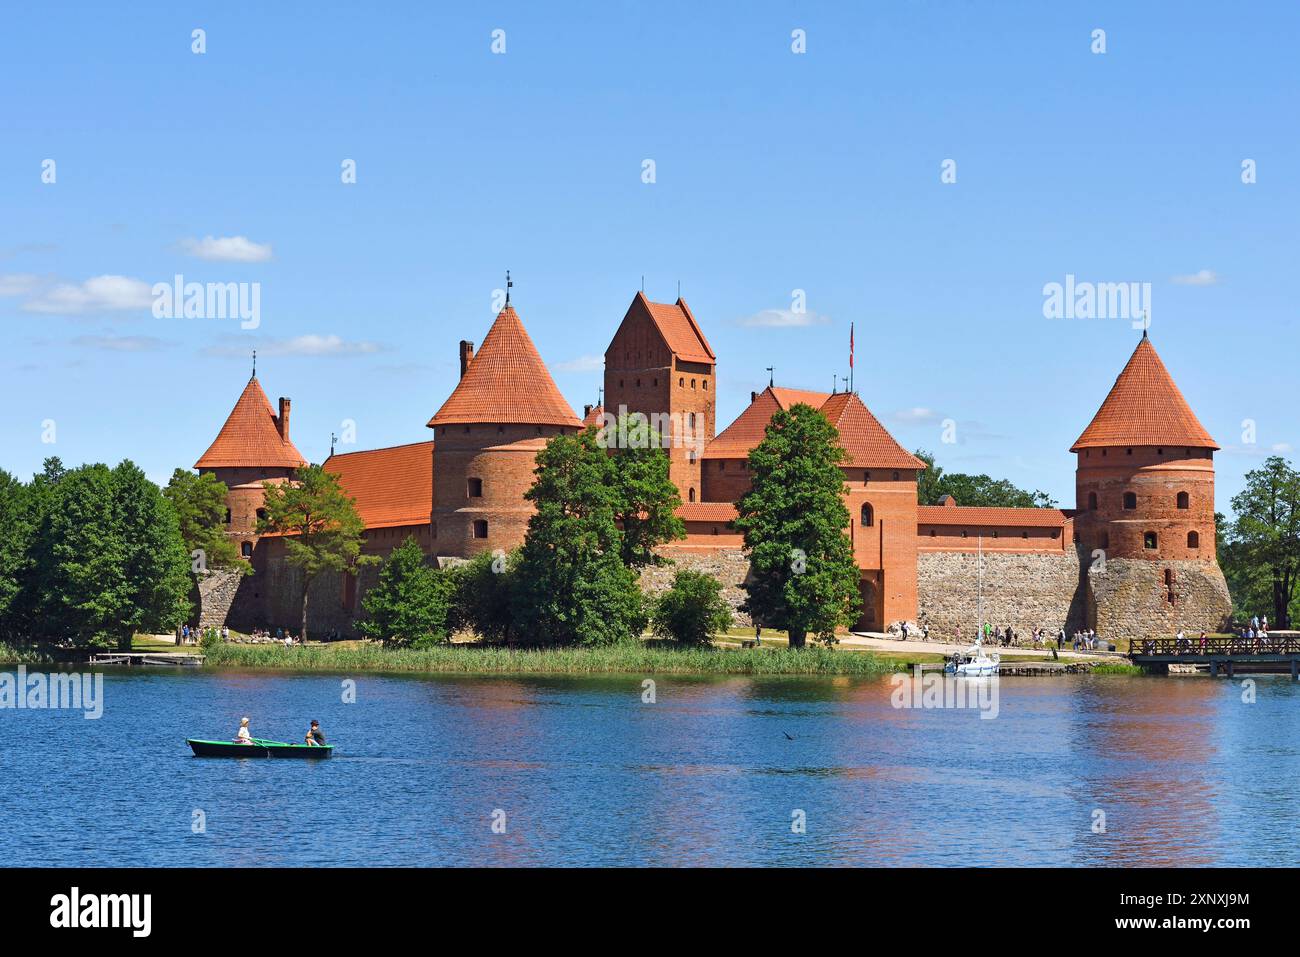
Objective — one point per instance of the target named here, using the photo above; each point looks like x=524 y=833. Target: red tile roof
x=595 y=416
x=392 y=486
x=250 y=438
x=506 y=382
x=1144 y=407
x=706 y=511
x=974 y=516
x=867 y=442
x=677 y=325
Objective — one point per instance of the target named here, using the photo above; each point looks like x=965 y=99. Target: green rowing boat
x=258 y=748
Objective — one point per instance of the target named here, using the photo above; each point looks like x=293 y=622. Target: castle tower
x=660 y=364
x=252 y=449
x=1144 y=487
x=486 y=439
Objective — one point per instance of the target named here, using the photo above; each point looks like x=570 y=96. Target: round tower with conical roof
x=486 y=438
x=1144 y=485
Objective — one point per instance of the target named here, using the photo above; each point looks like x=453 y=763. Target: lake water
x=1185 y=772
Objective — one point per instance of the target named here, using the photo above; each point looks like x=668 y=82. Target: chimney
x=466 y=356
x=586 y=411
x=753 y=396
x=282 y=420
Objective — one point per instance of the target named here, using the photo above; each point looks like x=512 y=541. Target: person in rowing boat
x=244 y=736
x=315 y=737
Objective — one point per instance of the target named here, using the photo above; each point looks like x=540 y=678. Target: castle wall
x=729 y=565
x=1025 y=591
x=1133 y=598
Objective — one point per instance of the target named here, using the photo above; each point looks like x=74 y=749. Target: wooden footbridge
x=136 y=658
x=1223 y=654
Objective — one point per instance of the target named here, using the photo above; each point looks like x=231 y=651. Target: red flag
x=850 y=345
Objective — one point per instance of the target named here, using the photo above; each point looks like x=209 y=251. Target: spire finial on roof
x=600 y=396
x=333 y=438
x=771 y=377
x=254 y=375
x=508 y=285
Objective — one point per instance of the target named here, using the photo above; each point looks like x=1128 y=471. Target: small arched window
x=1092 y=501
x=246 y=549
x=868 y=515
x=1130 y=500
x=1193 y=539
x=690 y=495
x=261 y=515
x=1149 y=540
x=1183 y=500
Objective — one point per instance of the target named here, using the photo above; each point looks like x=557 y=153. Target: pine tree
x=571 y=585
x=803 y=575
x=323 y=532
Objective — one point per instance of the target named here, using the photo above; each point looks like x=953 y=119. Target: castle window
x=1149 y=540
x=715 y=529
x=261 y=515
x=722 y=465
x=1128 y=451
x=1183 y=500
x=246 y=549
x=1024 y=534
x=1130 y=500
x=706 y=385
x=866 y=477
x=895 y=476
x=963 y=533
x=690 y=420
x=868 y=515
x=692 y=383
x=474 y=487
x=620 y=383
x=1193 y=539
x=1103 y=453
x=690 y=456
x=1092 y=501
x=932 y=533
x=500 y=429
x=681 y=382
x=656 y=380
x=480 y=528
x=638 y=383
x=1056 y=533
x=995 y=534
x=691 y=495
x=227 y=516
x=1160 y=451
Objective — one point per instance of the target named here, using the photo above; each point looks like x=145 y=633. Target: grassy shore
x=11 y=655
x=632 y=658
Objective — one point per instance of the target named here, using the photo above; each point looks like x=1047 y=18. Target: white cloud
x=582 y=364
x=784 y=318
x=18 y=284
x=98 y=294
x=227 y=249
x=1202 y=277
x=308 y=345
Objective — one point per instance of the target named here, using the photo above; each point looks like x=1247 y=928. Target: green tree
x=803 y=577
x=482 y=600
x=974 y=490
x=1262 y=553
x=112 y=562
x=646 y=499
x=409 y=604
x=16 y=532
x=200 y=504
x=321 y=528
x=28 y=508
x=571 y=584
x=693 y=610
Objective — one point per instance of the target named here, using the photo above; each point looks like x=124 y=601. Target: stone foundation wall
x=216 y=593
x=1024 y=591
x=1130 y=598
x=728 y=565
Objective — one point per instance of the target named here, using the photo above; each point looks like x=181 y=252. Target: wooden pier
x=141 y=658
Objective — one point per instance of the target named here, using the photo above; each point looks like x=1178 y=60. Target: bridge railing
x=1217 y=645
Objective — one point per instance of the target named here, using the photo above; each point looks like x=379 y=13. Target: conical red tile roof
x=506 y=383
x=1144 y=407
x=250 y=438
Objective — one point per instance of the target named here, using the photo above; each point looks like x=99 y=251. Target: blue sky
x=774 y=172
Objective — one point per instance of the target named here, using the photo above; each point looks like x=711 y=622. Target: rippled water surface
x=1185 y=772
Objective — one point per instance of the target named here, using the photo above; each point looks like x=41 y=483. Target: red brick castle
x=1136 y=555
